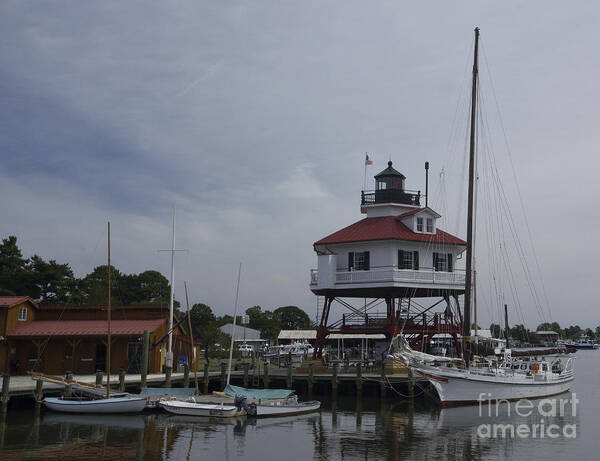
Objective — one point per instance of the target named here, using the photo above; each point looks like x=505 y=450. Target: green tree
x=13 y=270
x=205 y=329
x=94 y=286
x=291 y=318
x=51 y=283
x=573 y=332
x=496 y=330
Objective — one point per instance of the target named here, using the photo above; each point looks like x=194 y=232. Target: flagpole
x=365 y=180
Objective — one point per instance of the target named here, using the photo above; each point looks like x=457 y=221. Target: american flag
x=368 y=161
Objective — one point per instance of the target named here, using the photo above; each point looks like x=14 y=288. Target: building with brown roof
x=56 y=339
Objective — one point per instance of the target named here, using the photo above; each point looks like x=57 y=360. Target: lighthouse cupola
x=390 y=196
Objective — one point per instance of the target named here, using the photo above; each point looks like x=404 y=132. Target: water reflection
x=346 y=428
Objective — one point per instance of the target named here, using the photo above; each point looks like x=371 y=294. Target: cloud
x=253 y=121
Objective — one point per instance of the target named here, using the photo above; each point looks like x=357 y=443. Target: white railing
x=400 y=275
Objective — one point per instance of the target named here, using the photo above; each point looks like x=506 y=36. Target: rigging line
x=461 y=102
x=509 y=152
x=520 y=249
x=523 y=257
x=490 y=233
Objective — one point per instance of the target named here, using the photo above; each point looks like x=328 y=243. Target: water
x=344 y=429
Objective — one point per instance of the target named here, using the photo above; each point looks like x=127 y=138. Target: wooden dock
x=308 y=378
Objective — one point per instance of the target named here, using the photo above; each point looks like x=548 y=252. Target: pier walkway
x=24 y=386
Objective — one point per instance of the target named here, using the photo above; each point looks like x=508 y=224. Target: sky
x=253 y=119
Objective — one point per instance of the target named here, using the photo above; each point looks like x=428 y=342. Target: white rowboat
x=201 y=409
x=116 y=405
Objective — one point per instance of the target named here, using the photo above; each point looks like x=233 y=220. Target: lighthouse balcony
x=387 y=276
x=402 y=196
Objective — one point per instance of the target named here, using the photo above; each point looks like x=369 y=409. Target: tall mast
x=237 y=292
x=169 y=361
x=469 y=275
x=193 y=349
x=108 y=315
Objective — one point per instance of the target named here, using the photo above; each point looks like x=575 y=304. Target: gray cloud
x=253 y=120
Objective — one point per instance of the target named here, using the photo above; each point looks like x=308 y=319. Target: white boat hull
x=116 y=405
x=265 y=411
x=458 y=388
x=200 y=409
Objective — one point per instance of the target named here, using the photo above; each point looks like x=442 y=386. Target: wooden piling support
x=290 y=375
x=206 y=378
x=411 y=384
x=334 y=378
x=5 y=391
x=266 y=375
x=246 y=365
x=39 y=392
x=311 y=377
x=69 y=388
x=359 y=383
x=383 y=384
x=223 y=375
x=99 y=376
x=122 y=380
x=168 y=371
x=186 y=375
x=145 y=353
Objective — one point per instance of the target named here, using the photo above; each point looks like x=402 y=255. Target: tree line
x=522 y=333
x=53 y=283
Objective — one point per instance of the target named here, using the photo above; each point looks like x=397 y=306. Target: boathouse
x=56 y=339
x=397 y=257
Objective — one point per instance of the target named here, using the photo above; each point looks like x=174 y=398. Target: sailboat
x=458 y=381
x=124 y=403
x=239 y=401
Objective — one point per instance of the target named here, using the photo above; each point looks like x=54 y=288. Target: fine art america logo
x=536 y=419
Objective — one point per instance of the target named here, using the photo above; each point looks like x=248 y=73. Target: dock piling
x=245 y=365
x=168 y=371
x=411 y=384
x=145 y=353
x=206 y=378
x=39 y=392
x=311 y=377
x=122 y=380
x=290 y=375
x=266 y=375
x=334 y=378
x=99 y=376
x=223 y=375
x=382 y=385
x=5 y=390
x=359 y=383
x=186 y=375
x=69 y=388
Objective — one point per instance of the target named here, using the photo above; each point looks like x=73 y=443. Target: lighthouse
x=393 y=271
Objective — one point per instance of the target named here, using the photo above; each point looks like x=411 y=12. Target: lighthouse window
x=419 y=224
x=430 y=225
x=408 y=259
x=442 y=262
x=358 y=261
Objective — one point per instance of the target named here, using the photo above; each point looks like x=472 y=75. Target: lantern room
x=389 y=189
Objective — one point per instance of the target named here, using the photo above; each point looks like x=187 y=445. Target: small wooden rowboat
x=266 y=409
x=201 y=409
x=116 y=405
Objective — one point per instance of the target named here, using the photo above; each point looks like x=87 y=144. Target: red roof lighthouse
x=397 y=255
